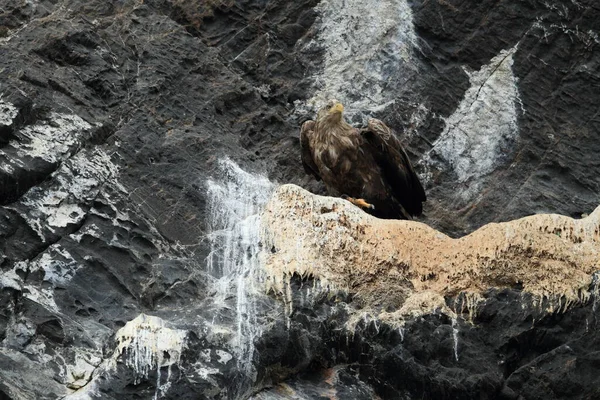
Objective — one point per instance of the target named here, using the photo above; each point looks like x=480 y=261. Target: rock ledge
x=409 y=267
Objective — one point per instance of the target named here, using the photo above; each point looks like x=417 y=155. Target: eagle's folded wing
x=396 y=166
x=307 y=160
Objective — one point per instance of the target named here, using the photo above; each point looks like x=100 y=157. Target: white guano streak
x=144 y=342
x=51 y=141
x=235 y=201
x=8 y=112
x=76 y=182
x=366 y=43
x=483 y=127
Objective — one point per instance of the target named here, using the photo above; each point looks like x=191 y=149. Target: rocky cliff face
x=130 y=250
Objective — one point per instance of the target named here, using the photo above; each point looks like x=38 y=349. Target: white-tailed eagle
x=366 y=166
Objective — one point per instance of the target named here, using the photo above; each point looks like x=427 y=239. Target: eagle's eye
x=336 y=108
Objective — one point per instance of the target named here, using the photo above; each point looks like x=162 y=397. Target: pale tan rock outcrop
x=408 y=266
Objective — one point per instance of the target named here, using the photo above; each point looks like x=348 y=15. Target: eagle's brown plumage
x=367 y=163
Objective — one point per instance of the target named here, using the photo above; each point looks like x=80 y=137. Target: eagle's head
x=331 y=113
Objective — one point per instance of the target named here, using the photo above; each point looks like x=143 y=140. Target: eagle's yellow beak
x=337 y=108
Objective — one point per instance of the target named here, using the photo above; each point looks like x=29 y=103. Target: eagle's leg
x=362 y=203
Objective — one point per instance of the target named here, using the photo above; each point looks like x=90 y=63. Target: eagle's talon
x=362 y=203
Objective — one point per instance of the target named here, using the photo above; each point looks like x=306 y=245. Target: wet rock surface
x=115 y=116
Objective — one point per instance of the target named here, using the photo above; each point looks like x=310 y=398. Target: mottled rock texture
x=550 y=256
x=114 y=116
